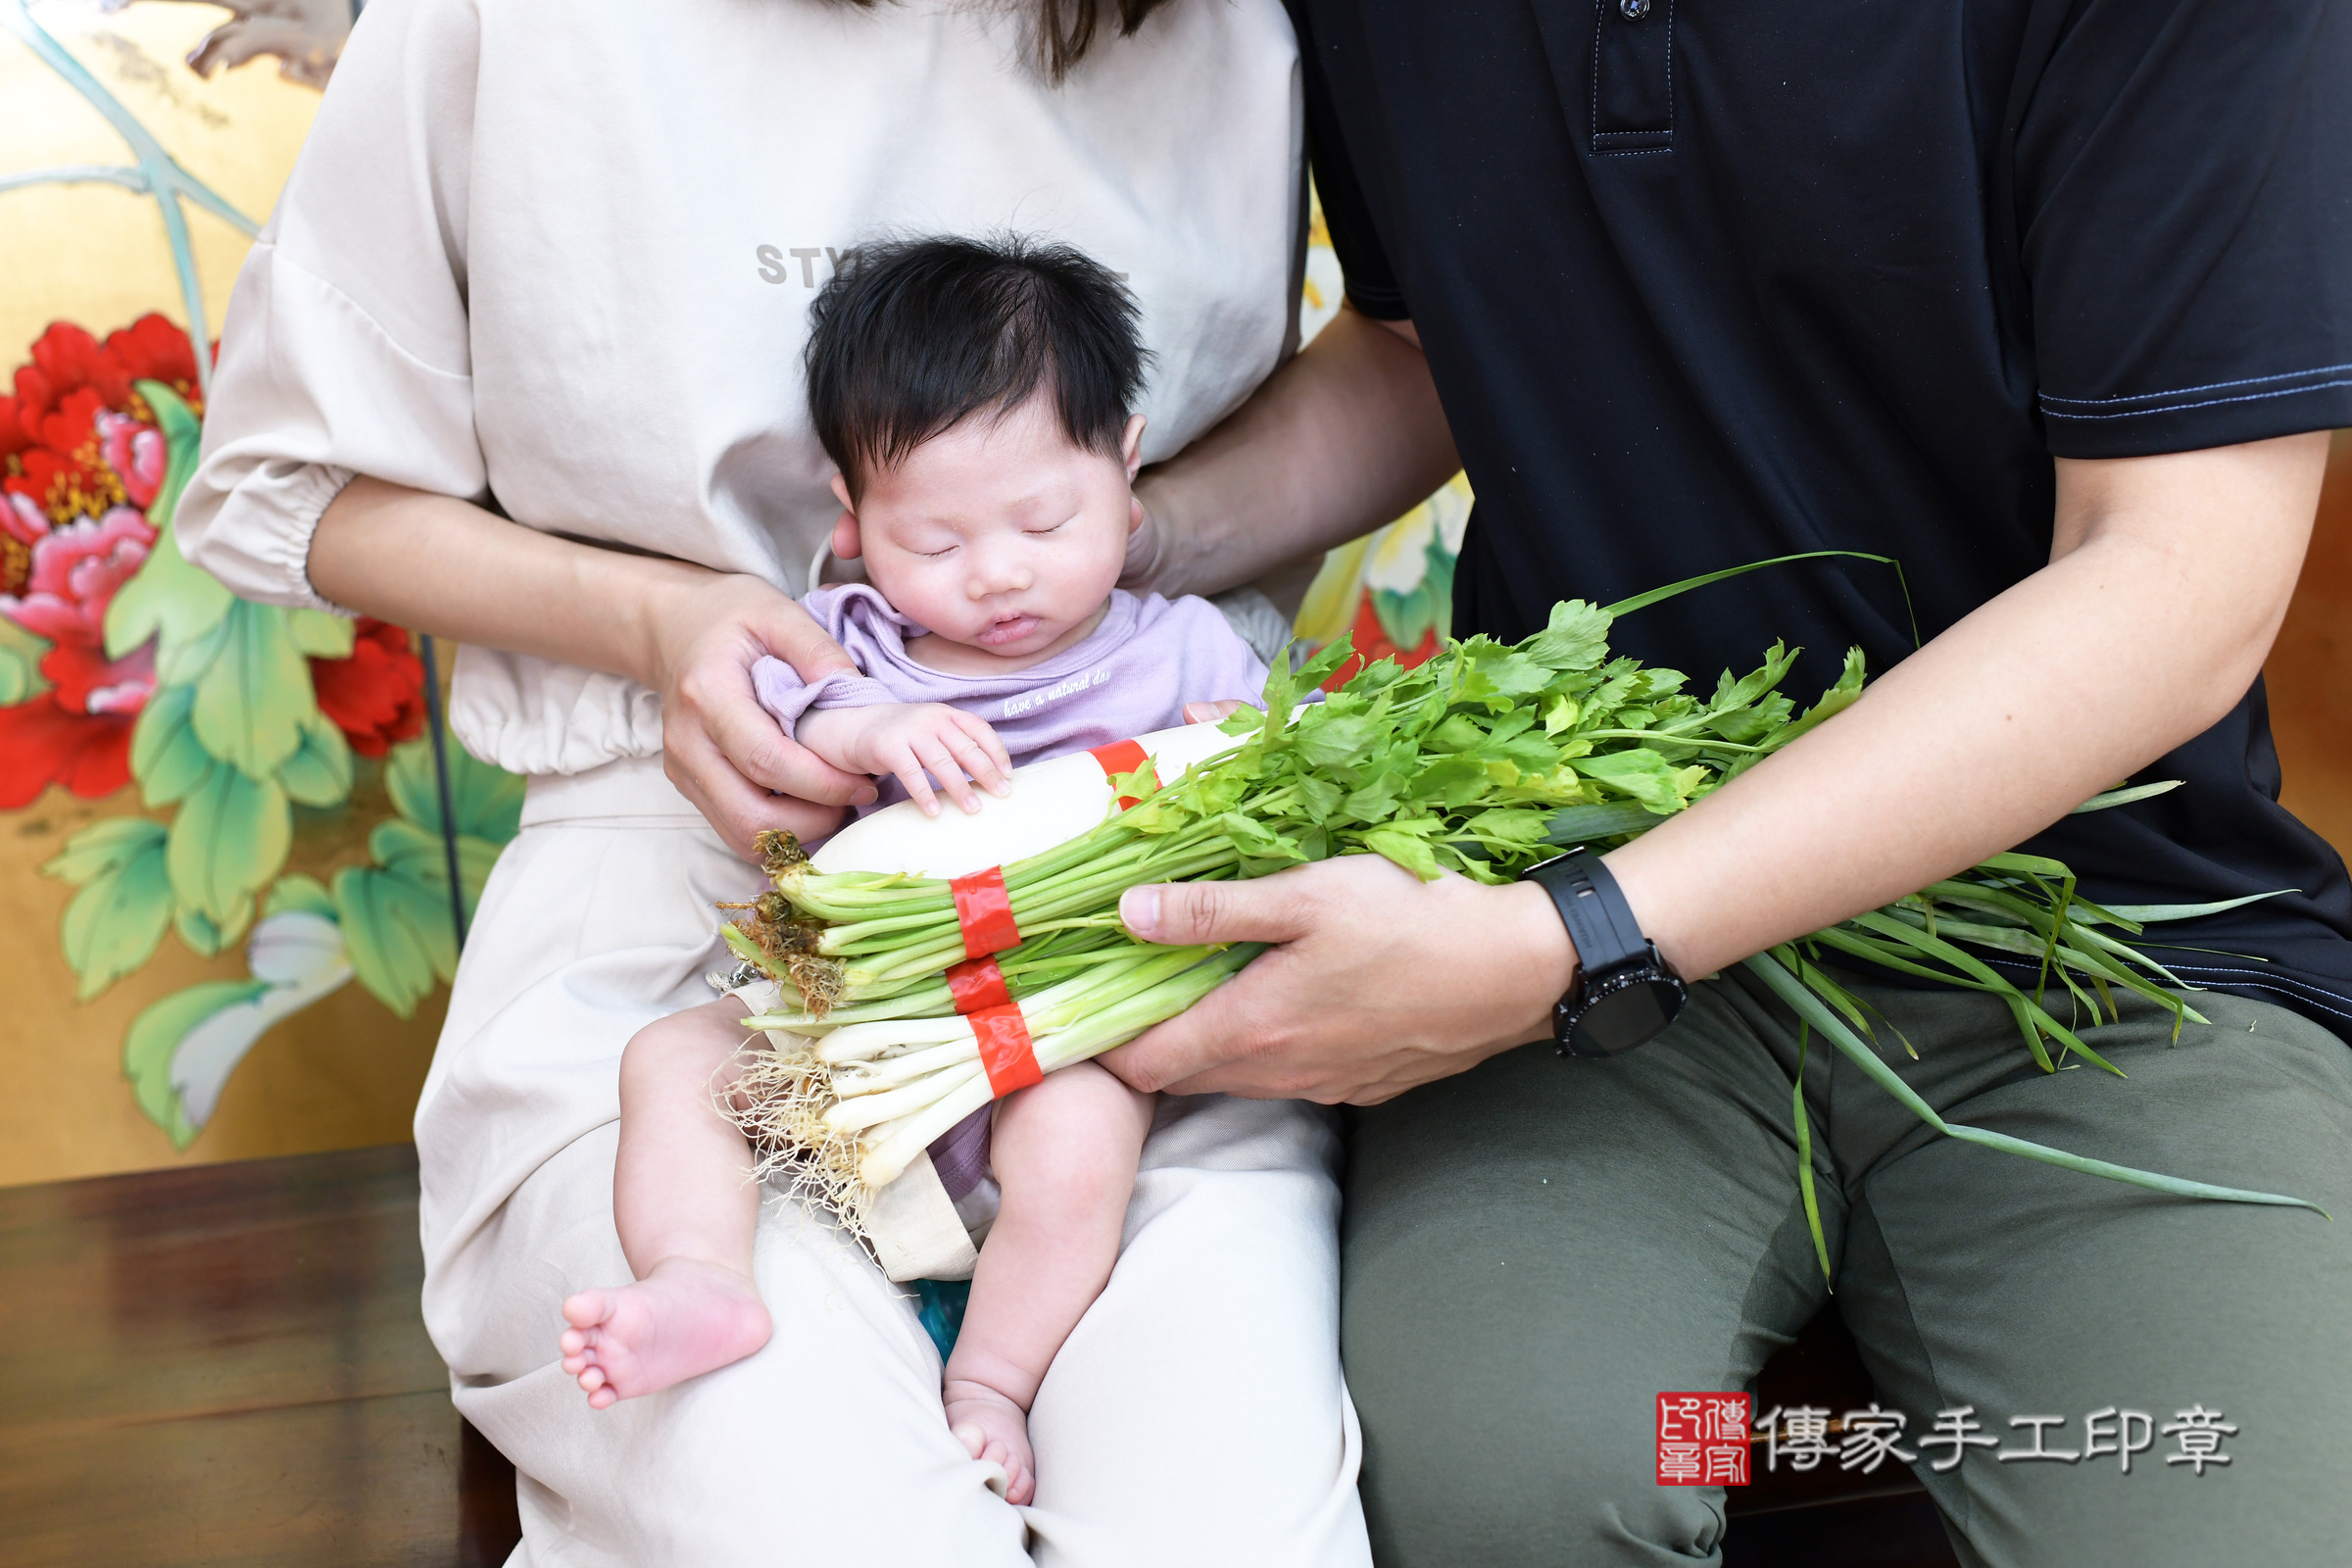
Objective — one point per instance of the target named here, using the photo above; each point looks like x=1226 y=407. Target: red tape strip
x=1005 y=1053
x=977 y=983
x=985 y=911
x=1124 y=757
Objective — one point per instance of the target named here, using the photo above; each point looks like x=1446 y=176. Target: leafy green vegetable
x=1481 y=763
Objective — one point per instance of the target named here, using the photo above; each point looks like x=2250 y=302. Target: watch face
x=1625 y=1014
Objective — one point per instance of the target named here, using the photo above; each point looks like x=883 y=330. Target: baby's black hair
x=911 y=336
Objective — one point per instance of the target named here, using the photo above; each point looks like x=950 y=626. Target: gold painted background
x=346 y=1072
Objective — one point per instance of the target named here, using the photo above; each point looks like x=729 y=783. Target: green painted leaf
x=183 y=437
x=181 y=661
x=475 y=858
x=251 y=703
x=206 y=937
x=318 y=774
x=166 y=756
x=299 y=891
x=394 y=929
x=229 y=837
x=320 y=635
x=167 y=598
x=155 y=1035
x=21 y=654
x=113 y=924
x=486 y=800
x=102 y=847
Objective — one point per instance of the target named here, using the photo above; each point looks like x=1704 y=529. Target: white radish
x=1052 y=803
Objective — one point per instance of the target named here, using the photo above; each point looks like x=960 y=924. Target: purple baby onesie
x=1131 y=675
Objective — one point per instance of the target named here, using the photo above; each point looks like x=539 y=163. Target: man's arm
x=1346 y=436
x=2168 y=579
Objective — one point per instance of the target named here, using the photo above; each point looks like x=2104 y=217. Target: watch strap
x=1593 y=906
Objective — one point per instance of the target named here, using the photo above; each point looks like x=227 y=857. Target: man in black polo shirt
x=2045 y=299
x=2039 y=297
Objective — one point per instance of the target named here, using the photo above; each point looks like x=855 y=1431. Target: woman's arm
x=687 y=632
x=1346 y=436
x=2168 y=579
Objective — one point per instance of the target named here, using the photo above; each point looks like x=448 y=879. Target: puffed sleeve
x=345 y=347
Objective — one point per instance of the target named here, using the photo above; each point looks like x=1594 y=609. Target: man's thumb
x=1179 y=913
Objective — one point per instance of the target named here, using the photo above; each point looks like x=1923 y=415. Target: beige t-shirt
x=560 y=256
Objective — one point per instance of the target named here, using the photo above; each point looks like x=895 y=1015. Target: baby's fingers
x=982 y=752
x=932 y=752
x=907 y=769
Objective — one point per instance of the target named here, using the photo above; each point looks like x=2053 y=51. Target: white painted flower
x=1398 y=557
x=300 y=956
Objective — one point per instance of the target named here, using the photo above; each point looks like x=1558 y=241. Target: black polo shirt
x=1704 y=282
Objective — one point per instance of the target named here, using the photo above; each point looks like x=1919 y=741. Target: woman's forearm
x=1346 y=436
x=448 y=567
x=2168 y=581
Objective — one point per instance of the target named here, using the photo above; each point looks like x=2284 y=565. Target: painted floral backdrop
x=216 y=818
x=127 y=669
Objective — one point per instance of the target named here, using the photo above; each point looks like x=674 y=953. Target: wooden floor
x=225 y=1365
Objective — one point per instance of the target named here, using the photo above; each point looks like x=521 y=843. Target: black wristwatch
x=1624 y=992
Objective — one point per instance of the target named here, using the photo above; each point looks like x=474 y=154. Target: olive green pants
x=1535 y=1249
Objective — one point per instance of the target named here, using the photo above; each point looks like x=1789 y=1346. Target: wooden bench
x=225 y=1364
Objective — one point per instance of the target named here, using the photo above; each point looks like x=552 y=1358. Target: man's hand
x=1381 y=982
x=909 y=740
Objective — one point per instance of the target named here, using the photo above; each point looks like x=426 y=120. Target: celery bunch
x=1482 y=762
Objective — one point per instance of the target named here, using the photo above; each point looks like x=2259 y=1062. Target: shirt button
x=1635 y=10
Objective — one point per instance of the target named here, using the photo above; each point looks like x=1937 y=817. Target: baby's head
x=975 y=395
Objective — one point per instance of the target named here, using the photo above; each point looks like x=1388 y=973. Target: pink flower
x=134 y=451
x=70 y=572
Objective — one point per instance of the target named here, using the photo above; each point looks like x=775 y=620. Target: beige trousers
x=1197 y=1416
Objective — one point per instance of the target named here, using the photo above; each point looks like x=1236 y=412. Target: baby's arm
x=908 y=740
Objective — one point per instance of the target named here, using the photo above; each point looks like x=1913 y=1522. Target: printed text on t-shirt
x=1029 y=702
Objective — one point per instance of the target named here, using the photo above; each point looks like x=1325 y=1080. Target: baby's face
x=999 y=534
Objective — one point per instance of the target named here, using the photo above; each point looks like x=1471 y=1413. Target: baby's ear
x=846 y=545
x=1131 y=444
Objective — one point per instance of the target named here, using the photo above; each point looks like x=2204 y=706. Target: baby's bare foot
x=992 y=1426
x=685 y=1318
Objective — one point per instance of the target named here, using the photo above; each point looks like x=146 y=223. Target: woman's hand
x=724 y=751
x=1381 y=981
x=690 y=633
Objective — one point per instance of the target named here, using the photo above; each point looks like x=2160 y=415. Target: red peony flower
x=376 y=696
x=80 y=461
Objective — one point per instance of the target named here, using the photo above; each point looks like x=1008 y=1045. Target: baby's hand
x=907 y=740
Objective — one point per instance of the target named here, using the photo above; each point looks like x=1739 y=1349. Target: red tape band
x=985 y=911
x=1005 y=1053
x=977 y=983
x=1124 y=757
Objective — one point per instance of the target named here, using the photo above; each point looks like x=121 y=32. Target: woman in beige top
x=539 y=284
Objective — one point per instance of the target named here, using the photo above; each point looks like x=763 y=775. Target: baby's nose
x=999 y=577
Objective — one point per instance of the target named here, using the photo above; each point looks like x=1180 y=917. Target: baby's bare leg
x=1065 y=1151
x=685 y=1213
